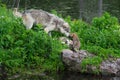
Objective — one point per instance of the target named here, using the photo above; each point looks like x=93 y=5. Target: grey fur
x=49 y=21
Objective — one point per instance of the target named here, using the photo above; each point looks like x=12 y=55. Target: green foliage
x=91 y=61
x=103 y=32
x=105 y=22
x=21 y=48
x=101 y=37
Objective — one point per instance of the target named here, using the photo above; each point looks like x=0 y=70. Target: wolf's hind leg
x=29 y=25
x=28 y=21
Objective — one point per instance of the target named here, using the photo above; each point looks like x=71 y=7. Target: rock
x=73 y=60
x=109 y=67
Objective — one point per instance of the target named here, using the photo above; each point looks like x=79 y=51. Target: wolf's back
x=40 y=16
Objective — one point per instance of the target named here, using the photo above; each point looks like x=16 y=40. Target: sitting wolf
x=49 y=21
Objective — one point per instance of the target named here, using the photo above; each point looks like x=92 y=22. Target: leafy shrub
x=26 y=48
x=105 y=22
x=101 y=37
x=103 y=32
x=21 y=48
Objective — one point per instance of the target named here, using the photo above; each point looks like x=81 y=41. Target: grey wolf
x=50 y=22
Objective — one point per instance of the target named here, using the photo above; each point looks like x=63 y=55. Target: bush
x=21 y=48
x=101 y=37
x=31 y=49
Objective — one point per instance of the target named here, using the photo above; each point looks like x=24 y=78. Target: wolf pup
x=49 y=21
x=75 y=46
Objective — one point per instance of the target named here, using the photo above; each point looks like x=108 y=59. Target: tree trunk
x=81 y=5
x=100 y=7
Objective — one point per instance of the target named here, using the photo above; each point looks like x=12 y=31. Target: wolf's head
x=66 y=29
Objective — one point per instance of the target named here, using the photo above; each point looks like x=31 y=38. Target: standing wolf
x=49 y=21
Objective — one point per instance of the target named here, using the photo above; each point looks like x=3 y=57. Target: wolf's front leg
x=49 y=28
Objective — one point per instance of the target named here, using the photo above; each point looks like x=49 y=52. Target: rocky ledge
x=72 y=61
